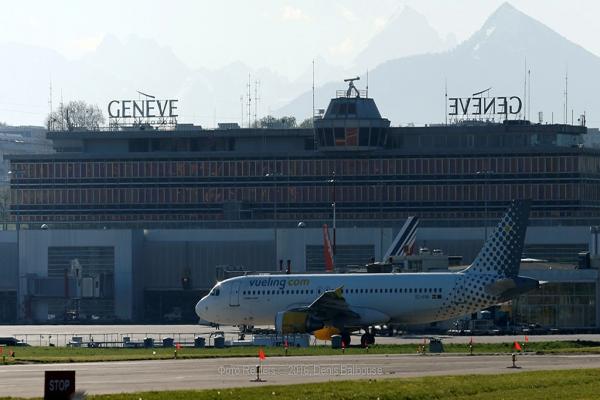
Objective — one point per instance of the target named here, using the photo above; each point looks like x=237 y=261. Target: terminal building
x=135 y=223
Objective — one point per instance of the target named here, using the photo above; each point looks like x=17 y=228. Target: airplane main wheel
x=367 y=339
x=346 y=339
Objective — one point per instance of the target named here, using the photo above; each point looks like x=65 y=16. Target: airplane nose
x=200 y=307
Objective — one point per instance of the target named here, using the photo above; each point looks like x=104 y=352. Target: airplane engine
x=296 y=322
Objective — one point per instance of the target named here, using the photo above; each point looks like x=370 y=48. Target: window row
x=345 y=291
x=372 y=194
x=279 y=169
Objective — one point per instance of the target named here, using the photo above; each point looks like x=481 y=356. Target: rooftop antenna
x=446 y=99
x=529 y=95
x=312 y=116
x=242 y=107
x=62 y=112
x=525 y=90
x=256 y=84
x=367 y=93
x=249 y=103
x=566 y=94
x=50 y=117
x=313 y=92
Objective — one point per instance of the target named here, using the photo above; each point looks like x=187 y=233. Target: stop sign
x=59 y=385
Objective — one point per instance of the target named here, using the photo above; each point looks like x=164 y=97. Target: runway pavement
x=116 y=377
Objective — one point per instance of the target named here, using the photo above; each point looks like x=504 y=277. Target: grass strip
x=73 y=354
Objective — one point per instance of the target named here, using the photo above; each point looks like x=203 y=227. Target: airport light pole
x=486 y=194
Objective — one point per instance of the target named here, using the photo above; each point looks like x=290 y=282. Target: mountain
x=411 y=89
x=396 y=40
x=118 y=69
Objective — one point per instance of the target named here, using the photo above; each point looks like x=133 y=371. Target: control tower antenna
x=351 y=86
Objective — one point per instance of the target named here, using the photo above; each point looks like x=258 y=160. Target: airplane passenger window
x=371 y=290
x=410 y=290
x=420 y=290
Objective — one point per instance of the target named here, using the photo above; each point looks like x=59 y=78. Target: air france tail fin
x=501 y=252
x=327 y=250
x=404 y=240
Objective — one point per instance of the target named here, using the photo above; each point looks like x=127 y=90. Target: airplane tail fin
x=327 y=250
x=404 y=240
x=501 y=252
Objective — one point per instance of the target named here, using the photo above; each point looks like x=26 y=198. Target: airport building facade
x=152 y=215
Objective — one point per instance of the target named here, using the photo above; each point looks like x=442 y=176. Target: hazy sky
x=285 y=35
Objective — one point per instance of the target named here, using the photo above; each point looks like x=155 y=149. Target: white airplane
x=328 y=304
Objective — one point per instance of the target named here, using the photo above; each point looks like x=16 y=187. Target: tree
x=271 y=122
x=306 y=124
x=75 y=115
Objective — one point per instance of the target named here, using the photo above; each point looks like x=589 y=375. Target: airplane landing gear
x=367 y=339
x=346 y=338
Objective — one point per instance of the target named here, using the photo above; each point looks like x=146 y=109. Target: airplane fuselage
x=379 y=298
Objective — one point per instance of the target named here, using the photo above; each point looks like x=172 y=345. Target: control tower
x=352 y=122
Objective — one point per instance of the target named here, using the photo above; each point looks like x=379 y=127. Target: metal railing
x=126 y=340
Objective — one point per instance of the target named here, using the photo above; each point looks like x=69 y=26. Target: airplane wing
x=331 y=305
